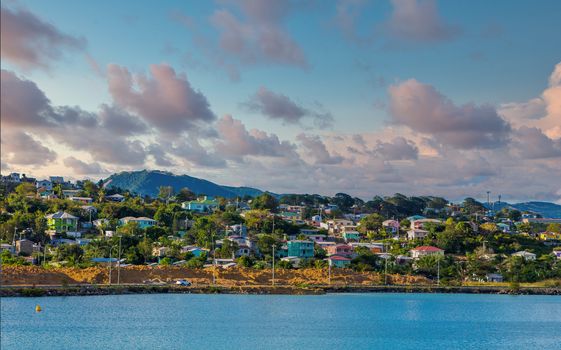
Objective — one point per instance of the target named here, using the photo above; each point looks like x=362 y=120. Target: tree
x=72 y=253
x=265 y=244
x=489 y=227
x=165 y=192
x=25 y=189
x=265 y=201
x=372 y=222
x=554 y=227
x=185 y=194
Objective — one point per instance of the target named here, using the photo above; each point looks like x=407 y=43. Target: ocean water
x=335 y=321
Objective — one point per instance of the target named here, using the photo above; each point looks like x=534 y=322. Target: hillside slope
x=148 y=182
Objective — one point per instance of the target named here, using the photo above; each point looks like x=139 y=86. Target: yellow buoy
x=37 y=308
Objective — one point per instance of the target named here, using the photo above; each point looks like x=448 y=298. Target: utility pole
x=213 y=262
x=386 y=271
x=110 y=263
x=273 y=265
x=119 y=263
x=438 y=271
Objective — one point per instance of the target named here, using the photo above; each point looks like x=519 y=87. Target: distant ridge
x=147 y=183
x=545 y=209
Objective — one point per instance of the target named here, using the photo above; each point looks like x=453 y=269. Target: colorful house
x=340 y=249
x=550 y=236
x=300 y=248
x=62 y=222
x=351 y=236
x=391 y=226
x=203 y=205
x=338 y=261
x=143 y=222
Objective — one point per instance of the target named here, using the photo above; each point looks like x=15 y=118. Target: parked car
x=183 y=283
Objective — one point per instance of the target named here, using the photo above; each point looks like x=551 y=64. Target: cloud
x=277 y=106
x=120 y=122
x=260 y=36
x=21 y=148
x=423 y=109
x=29 y=42
x=397 y=149
x=418 y=21
x=543 y=112
x=316 y=149
x=236 y=141
x=82 y=168
x=533 y=144
x=166 y=100
x=23 y=103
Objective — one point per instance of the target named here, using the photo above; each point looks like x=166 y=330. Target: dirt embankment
x=33 y=275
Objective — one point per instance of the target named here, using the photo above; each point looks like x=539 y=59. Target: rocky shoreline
x=260 y=290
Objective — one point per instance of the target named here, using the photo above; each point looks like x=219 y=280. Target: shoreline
x=87 y=290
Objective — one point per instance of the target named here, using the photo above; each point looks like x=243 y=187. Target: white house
x=417 y=233
x=419 y=252
x=526 y=255
x=115 y=198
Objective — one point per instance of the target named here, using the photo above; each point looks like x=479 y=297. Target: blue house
x=301 y=249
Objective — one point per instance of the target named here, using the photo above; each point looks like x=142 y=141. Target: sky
x=420 y=97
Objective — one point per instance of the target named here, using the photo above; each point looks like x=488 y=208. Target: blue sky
x=340 y=62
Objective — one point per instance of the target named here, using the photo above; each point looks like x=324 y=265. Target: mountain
x=545 y=209
x=146 y=182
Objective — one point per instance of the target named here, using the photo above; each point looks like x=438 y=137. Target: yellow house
x=550 y=236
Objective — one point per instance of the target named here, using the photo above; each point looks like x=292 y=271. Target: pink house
x=340 y=249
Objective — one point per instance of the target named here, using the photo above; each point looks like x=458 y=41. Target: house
x=46 y=184
x=160 y=252
x=84 y=200
x=294 y=260
x=421 y=251
x=541 y=221
x=196 y=251
x=340 y=249
x=503 y=227
x=26 y=247
x=115 y=198
x=494 y=277
x=142 y=222
x=59 y=180
x=550 y=236
x=336 y=226
x=420 y=223
x=373 y=247
x=203 y=205
x=338 y=261
x=417 y=234
x=526 y=255
x=300 y=248
x=351 y=236
x=8 y=247
x=62 y=222
x=415 y=217
x=70 y=193
x=391 y=226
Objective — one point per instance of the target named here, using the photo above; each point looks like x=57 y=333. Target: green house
x=300 y=248
x=62 y=222
x=351 y=236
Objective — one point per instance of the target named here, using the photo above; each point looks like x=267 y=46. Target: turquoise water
x=336 y=321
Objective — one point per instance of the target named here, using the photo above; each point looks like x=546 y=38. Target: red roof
x=427 y=248
x=338 y=257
